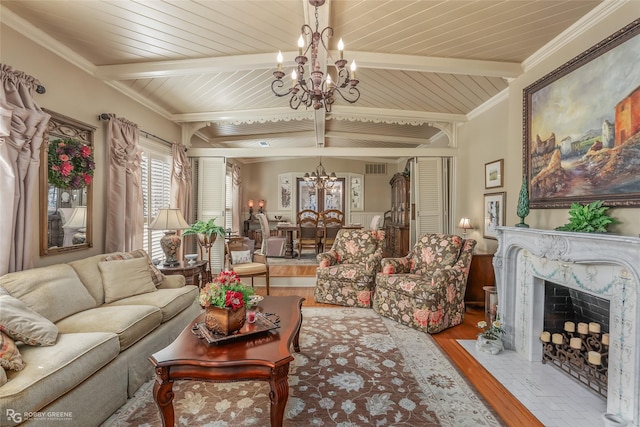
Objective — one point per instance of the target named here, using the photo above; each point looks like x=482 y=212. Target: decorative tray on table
x=264 y=322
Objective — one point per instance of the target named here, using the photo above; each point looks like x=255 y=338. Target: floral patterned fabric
x=427 y=294
x=346 y=273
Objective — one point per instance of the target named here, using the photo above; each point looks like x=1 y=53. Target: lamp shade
x=78 y=218
x=169 y=219
x=465 y=224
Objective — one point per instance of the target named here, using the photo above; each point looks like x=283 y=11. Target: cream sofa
x=104 y=338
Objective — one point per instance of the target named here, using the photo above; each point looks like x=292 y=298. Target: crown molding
x=492 y=102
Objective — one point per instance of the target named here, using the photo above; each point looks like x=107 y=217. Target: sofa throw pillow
x=10 y=357
x=156 y=275
x=240 y=257
x=126 y=278
x=23 y=324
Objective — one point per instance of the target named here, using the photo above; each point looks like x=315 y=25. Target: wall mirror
x=66 y=200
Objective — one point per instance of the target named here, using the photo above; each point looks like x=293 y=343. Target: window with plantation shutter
x=211 y=200
x=228 y=199
x=156 y=185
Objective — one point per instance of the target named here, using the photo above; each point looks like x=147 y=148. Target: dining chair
x=271 y=245
x=307 y=220
x=330 y=227
x=334 y=214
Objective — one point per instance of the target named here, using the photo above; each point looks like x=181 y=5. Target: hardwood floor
x=512 y=412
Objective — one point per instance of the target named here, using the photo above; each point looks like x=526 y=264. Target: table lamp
x=465 y=224
x=250 y=203
x=77 y=221
x=169 y=220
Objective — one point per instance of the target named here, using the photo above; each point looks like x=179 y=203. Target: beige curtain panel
x=21 y=137
x=125 y=220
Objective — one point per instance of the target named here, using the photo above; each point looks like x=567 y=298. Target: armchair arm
x=373 y=263
x=173 y=281
x=326 y=259
x=259 y=257
x=442 y=277
x=396 y=265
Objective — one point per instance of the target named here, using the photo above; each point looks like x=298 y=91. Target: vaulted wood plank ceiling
x=423 y=65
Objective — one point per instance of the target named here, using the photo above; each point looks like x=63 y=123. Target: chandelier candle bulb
x=341 y=48
x=300 y=45
x=280 y=59
x=605 y=339
x=353 y=69
x=569 y=326
x=576 y=343
x=595 y=358
x=594 y=327
x=556 y=338
x=545 y=336
x=583 y=328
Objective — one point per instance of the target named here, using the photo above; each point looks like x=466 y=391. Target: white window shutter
x=430 y=195
x=211 y=202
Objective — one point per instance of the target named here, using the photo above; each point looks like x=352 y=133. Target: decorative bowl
x=255 y=299
x=192 y=258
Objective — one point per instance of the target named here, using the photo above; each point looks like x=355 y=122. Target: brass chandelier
x=317 y=91
x=319 y=178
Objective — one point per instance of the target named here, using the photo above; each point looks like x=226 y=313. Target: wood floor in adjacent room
x=508 y=408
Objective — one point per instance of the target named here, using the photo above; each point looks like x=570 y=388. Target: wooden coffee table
x=265 y=356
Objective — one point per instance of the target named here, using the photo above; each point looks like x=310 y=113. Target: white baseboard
x=284 y=282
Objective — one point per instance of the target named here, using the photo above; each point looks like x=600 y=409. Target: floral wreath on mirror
x=71 y=164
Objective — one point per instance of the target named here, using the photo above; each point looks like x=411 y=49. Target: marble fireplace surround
x=604 y=265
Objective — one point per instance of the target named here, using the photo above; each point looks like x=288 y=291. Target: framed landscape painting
x=582 y=127
x=493 y=174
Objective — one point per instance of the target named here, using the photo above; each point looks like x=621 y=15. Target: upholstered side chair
x=271 y=245
x=245 y=262
x=346 y=273
x=425 y=290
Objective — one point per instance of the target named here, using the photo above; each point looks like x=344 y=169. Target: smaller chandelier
x=320 y=179
x=316 y=91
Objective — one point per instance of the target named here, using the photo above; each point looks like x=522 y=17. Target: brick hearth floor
x=551 y=395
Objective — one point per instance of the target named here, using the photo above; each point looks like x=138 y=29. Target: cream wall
x=481 y=140
x=260 y=180
x=74 y=93
x=485 y=138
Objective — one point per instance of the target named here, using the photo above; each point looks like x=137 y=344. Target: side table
x=194 y=274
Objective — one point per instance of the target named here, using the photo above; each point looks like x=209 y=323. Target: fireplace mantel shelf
x=605 y=265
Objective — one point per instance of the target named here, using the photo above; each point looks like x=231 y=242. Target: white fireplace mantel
x=604 y=265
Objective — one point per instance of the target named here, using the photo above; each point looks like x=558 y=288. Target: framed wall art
x=582 y=127
x=493 y=174
x=493 y=214
x=284 y=191
x=357 y=192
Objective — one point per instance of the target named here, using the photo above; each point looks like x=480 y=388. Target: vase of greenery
x=207 y=231
x=590 y=218
x=490 y=339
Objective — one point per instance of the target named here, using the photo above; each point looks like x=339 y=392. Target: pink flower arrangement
x=226 y=290
x=71 y=164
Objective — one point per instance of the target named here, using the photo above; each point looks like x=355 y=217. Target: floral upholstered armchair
x=346 y=273
x=425 y=290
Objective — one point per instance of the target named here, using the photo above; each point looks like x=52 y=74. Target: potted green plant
x=207 y=231
x=590 y=218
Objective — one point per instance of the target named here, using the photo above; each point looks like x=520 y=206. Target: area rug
x=305 y=259
x=355 y=368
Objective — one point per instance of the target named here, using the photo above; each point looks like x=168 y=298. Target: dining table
x=289 y=228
